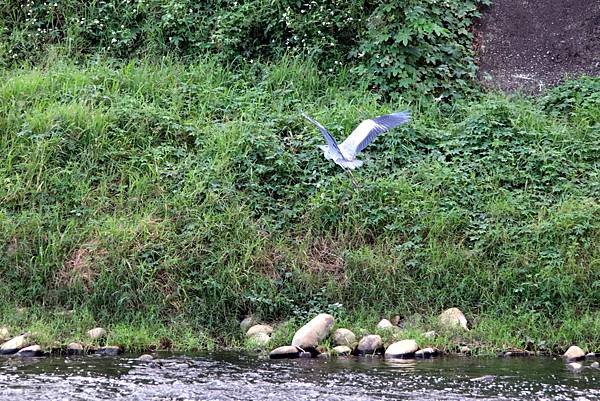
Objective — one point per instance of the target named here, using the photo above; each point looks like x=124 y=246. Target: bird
x=345 y=153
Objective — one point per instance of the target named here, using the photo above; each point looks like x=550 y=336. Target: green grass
x=165 y=201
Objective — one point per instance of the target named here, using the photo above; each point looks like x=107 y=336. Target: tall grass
x=157 y=195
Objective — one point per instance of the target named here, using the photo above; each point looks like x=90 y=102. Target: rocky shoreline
x=316 y=339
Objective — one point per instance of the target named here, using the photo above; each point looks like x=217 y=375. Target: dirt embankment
x=529 y=45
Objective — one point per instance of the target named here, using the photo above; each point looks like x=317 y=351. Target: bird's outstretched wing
x=368 y=130
x=333 y=146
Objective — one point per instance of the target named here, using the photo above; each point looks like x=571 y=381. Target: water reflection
x=248 y=377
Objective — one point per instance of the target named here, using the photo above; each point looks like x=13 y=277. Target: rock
x=110 y=350
x=574 y=366
x=370 y=344
x=324 y=355
x=15 y=344
x=453 y=317
x=306 y=355
x=590 y=355
x=259 y=339
x=259 y=328
x=395 y=320
x=464 y=350
x=429 y=334
x=574 y=353
x=404 y=349
x=31 y=351
x=285 y=352
x=4 y=333
x=145 y=358
x=427 y=353
x=341 y=350
x=74 y=349
x=343 y=337
x=309 y=335
x=247 y=322
x=97 y=333
x=595 y=365
x=384 y=324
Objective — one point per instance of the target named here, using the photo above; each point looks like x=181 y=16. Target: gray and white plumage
x=345 y=153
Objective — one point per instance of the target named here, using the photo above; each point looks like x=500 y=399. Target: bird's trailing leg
x=354 y=183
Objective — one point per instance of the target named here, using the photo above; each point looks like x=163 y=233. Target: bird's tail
x=350 y=164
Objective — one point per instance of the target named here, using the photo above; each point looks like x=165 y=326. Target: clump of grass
x=175 y=199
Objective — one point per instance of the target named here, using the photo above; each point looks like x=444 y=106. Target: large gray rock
x=370 y=344
x=31 y=351
x=259 y=339
x=96 y=333
x=453 y=317
x=343 y=337
x=427 y=353
x=341 y=350
x=14 y=344
x=313 y=332
x=404 y=349
x=74 y=349
x=384 y=324
x=595 y=365
x=285 y=352
x=4 y=333
x=246 y=323
x=110 y=350
x=574 y=353
x=259 y=328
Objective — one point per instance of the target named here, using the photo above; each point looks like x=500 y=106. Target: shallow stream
x=229 y=376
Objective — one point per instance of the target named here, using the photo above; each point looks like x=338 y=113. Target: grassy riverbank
x=165 y=201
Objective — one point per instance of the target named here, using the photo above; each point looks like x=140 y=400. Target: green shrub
x=421 y=46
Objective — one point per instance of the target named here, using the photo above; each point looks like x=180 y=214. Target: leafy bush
x=398 y=45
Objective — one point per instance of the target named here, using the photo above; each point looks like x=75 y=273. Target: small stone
x=110 y=350
x=313 y=332
x=590 y=355
x=453 y=317
x=341 y=350
x=324 y=355
x=15 y=344
x=595 y=365
x=395 y=320
x=31 y=351
x=247 y=322
x=404 y=349
x=74 y=349
x=429 y=334
x=464 y=350
x=259 y=328
x=343 y=337
x=574 y=366
x=574 y=353
x=285 y=352
x=426 y=353
x=370 y=344
x=305 y=355
x=96 y=333
x=384 y=324
x=4 y=333
x=259 y=339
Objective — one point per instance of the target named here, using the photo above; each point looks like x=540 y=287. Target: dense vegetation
x=423 y=45
x=175 y=196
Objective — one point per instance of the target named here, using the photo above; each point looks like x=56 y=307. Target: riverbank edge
x=488 y=335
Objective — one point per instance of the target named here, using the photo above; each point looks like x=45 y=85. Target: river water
x=229 y=376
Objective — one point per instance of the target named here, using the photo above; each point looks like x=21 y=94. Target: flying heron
x=345 y=153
